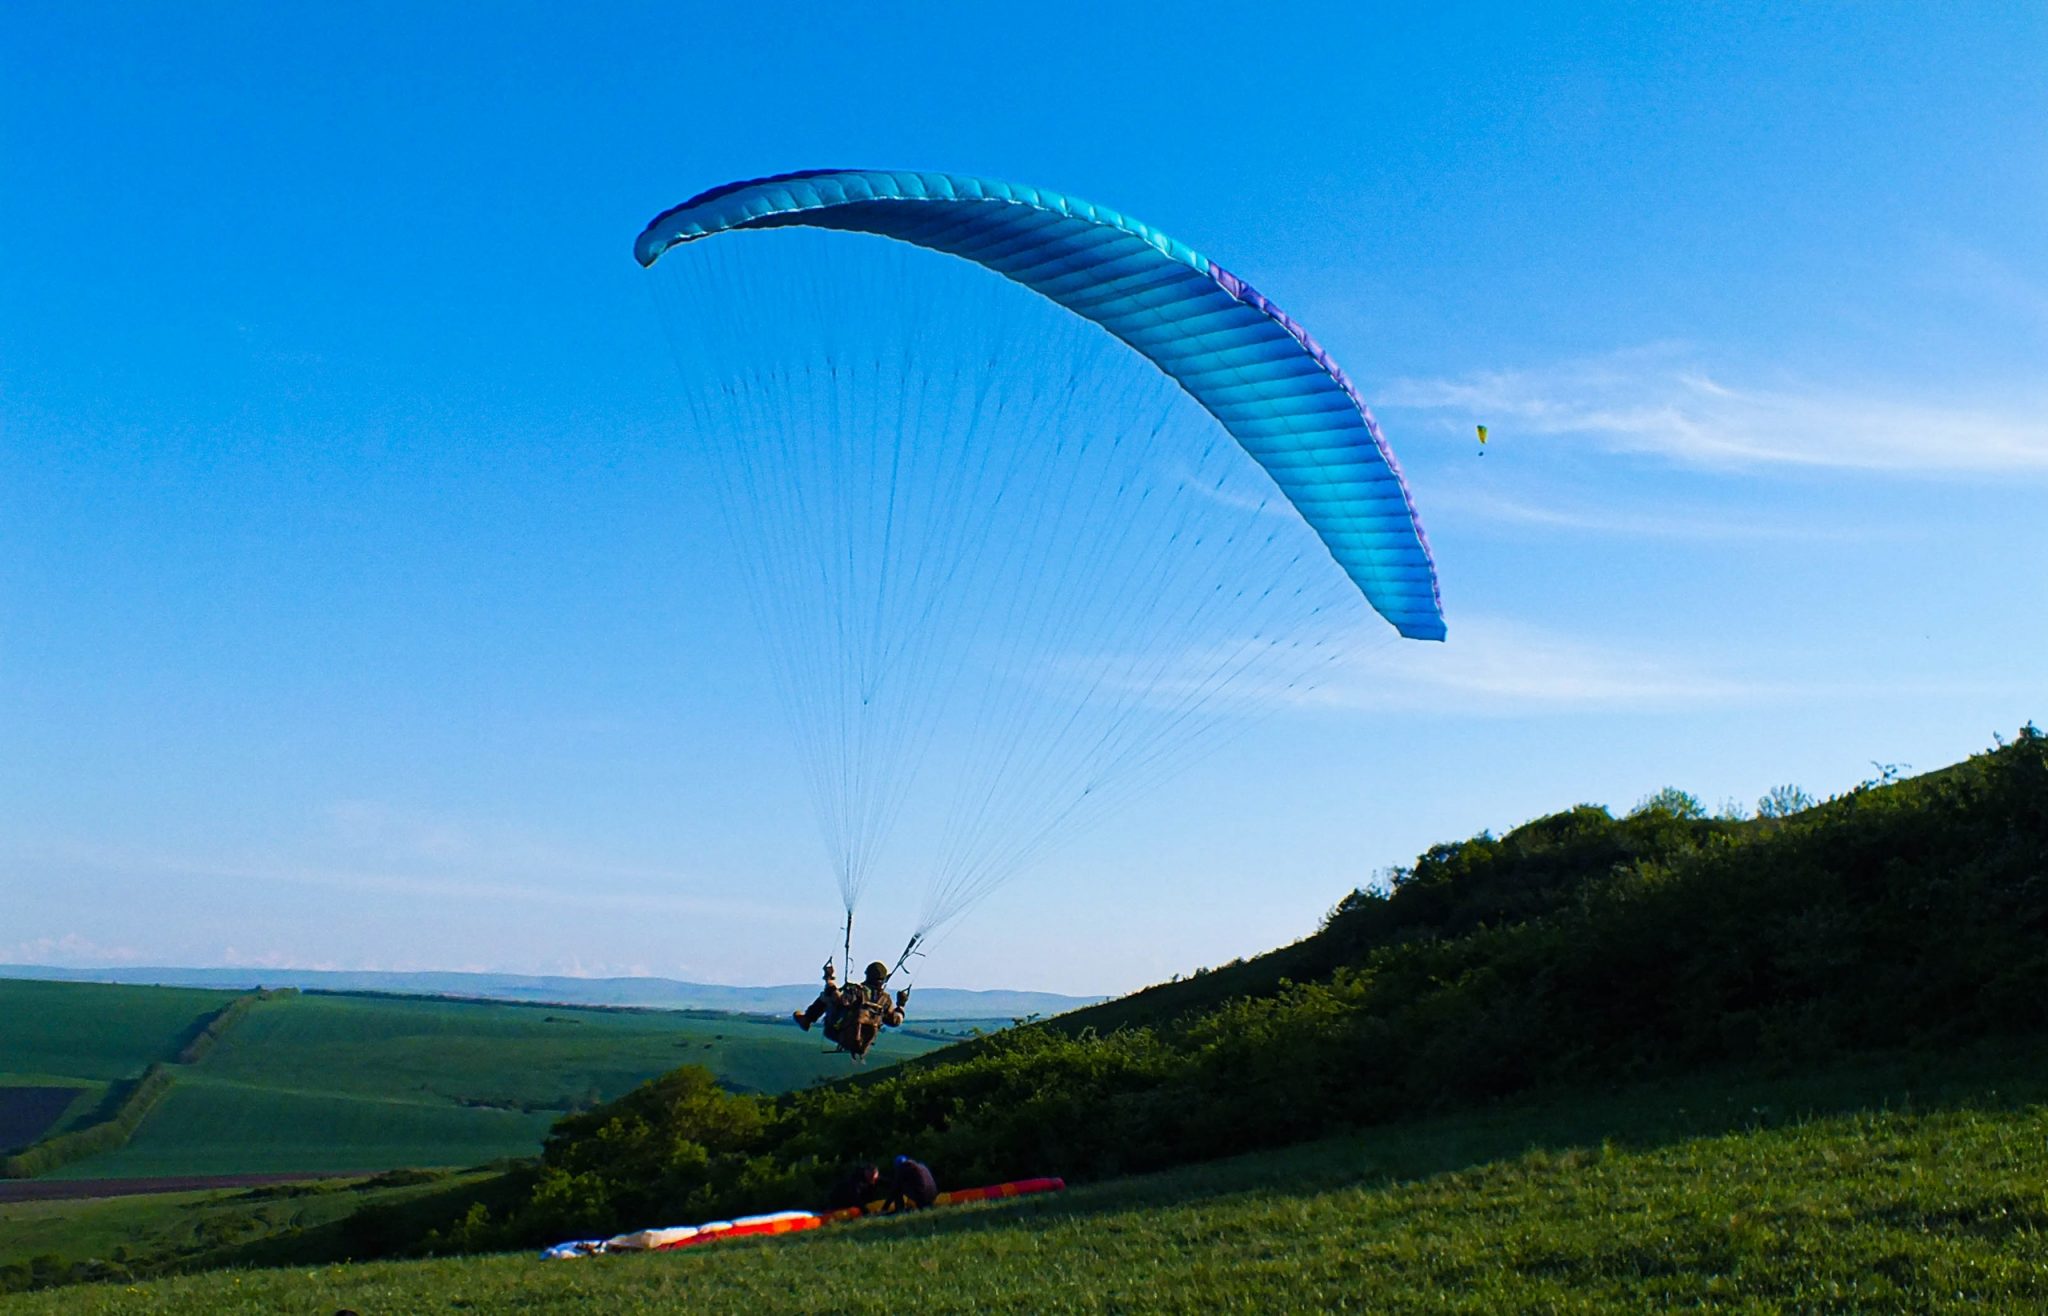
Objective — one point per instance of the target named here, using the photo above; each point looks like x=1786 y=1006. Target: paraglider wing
x=1257 y=371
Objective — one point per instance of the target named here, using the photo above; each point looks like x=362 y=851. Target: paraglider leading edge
x=1243 y=359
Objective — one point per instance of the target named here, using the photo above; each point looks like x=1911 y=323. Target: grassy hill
x=77 y=1039
x=79 y=1032
x=46 y=1241
x=1580 y=948
x=1550 y=868
x=1902 y=1184
x=358 y=1083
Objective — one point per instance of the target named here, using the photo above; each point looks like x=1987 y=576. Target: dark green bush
x=207 y=1034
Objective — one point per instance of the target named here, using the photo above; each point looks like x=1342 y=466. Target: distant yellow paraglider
x=1482 y=440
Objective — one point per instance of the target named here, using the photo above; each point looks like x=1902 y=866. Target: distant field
x=953 y=1030
x=311 y=1083
x=205 y=1126
x=509 y=1056
x=64 y=1031
x=1710 y=1196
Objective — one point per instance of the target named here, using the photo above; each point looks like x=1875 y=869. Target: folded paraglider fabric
x=959 y=1196
x=777 y=1222
x=1017 y=1188
x=649 y=1240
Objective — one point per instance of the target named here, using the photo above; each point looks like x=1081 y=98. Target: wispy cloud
x=232 y=957
x=384 y=839
x=1987 y=279
x=1492 y=666
x=1664 y=523
x=374 y=848
x=70 y=949
x=73 y=951
x=591 y=887
x=1488 y=666
x=1658 y=401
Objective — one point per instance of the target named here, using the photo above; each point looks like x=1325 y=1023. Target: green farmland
x=63 y=1045
x=84 y=1036
x=317 y=1083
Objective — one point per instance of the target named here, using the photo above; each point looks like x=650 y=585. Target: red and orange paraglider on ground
x=779 y=1222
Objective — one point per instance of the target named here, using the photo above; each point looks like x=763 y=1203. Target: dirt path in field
x=59 y=1190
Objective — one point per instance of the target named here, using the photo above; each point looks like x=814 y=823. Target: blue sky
x=350 y=614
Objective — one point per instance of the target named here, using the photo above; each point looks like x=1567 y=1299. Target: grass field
x=1916 y=1185
x=206 y=1126
x=506 y=1055
x=160 y=1226
x=61 y=1044
x=86 y=1035
x=308 y=1083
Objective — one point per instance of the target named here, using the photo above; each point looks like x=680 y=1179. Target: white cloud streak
x=650 y=892
x=70 y=949
x=1492 y=667
x=1653 y=401
x=1662 y=524
x=1495 y=667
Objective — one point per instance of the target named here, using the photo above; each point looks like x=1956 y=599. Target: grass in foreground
x=1709 y=1195
x=156 y=1228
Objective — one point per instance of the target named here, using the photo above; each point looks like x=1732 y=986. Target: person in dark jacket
x=862 y=1184
x=910 y=1185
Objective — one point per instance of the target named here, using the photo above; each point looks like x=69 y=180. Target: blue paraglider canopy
x=1255 y=369
x=978 y=530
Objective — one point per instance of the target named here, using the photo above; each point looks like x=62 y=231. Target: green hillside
x=1876 y=1188
x=1837 y=854
x=319 y=1083
x=65 y=1049
x=204 y=1126
x=509 y=1056
x=345 y=1083
x=45 y=1241
x=93 y=1032
x=1579 y=949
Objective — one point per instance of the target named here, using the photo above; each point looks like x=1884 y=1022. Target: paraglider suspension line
x=908 y=951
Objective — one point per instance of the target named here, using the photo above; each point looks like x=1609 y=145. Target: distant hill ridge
x=933 y=1004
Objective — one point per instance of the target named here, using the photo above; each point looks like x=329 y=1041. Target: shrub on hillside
x=1579 y=947
x=208 y=1033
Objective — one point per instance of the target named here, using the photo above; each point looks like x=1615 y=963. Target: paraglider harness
x=859 y=1011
